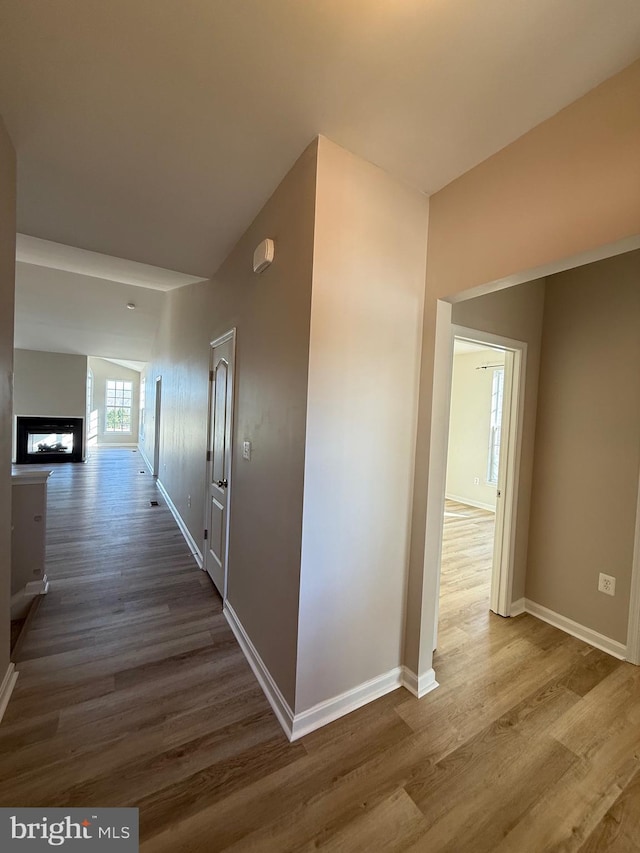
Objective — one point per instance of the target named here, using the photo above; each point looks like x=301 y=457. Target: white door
x=219 y=461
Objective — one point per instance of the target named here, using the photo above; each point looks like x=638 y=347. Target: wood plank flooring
x=132 y=691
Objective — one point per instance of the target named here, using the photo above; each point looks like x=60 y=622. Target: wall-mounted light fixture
x=263 y=255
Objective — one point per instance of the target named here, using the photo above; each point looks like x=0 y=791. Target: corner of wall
x=7 y=300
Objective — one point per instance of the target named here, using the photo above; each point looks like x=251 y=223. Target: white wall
x=102 y=370
x=366 y=324
x=142 y=414
x=49 y=384
x=470 y=427
x=146 y=432
x=7 y=291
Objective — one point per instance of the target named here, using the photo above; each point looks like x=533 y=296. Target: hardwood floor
x=132 y=691
x=465 y=581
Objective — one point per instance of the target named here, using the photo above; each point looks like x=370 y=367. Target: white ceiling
x=132 y=365
x=61 y=311
x=74 y=301
x=492 y=355
x=154 y=131
x=44 y=253
x=150 y=134
x=461 y=347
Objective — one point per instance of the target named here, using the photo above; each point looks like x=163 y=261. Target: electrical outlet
x=476 y=481
x=246 y=450
x=606 y=584
x=189 y=501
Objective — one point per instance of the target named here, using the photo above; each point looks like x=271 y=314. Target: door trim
x=633 y=631
x=446 y=332
x=157 y=409
x=436 y=363
x=222 y=339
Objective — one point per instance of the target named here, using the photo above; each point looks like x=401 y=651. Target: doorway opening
x=480 y=496
x=473 y=457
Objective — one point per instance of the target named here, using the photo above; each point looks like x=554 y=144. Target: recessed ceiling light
x=131 y=305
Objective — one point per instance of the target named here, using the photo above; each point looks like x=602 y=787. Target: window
x=119 y=399
x=497 y=391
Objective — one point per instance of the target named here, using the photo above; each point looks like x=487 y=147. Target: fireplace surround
x=48 y=440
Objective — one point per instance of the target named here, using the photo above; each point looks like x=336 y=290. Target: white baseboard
x=6 y=688
x=21 y=601
x=270 y=689
x=31 y=589
x=470 y=502
x=587 y=635
x=518 y=607
x=419 y=685
x=298 y=725
x=191 y=542
x=116 y=444
x=146 y=458
x=332 y=709
x=40 y=587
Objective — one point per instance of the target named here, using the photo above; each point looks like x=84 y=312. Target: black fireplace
x=47 y=440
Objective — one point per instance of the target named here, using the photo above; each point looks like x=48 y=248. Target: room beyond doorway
x=472 y=485
x=482 y=463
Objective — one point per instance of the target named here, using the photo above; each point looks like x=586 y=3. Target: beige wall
x=103 y=370
x=366 y=323
x=328 y=619
x=541 y=199
x=28 y=539
x=271 y=312
x=7 y=291
x=470 y=429
x=49 y=384
x=515 y=313
x=569 y=186
x=587 y=444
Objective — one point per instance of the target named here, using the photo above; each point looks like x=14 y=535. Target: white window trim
x=118 y=393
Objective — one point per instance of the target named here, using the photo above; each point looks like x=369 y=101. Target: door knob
x=223 y=484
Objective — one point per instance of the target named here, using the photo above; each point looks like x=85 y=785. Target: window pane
x=118 y=409
x=497 y=393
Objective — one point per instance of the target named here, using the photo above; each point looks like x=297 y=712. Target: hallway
x=133 y=692
x=130 y=679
